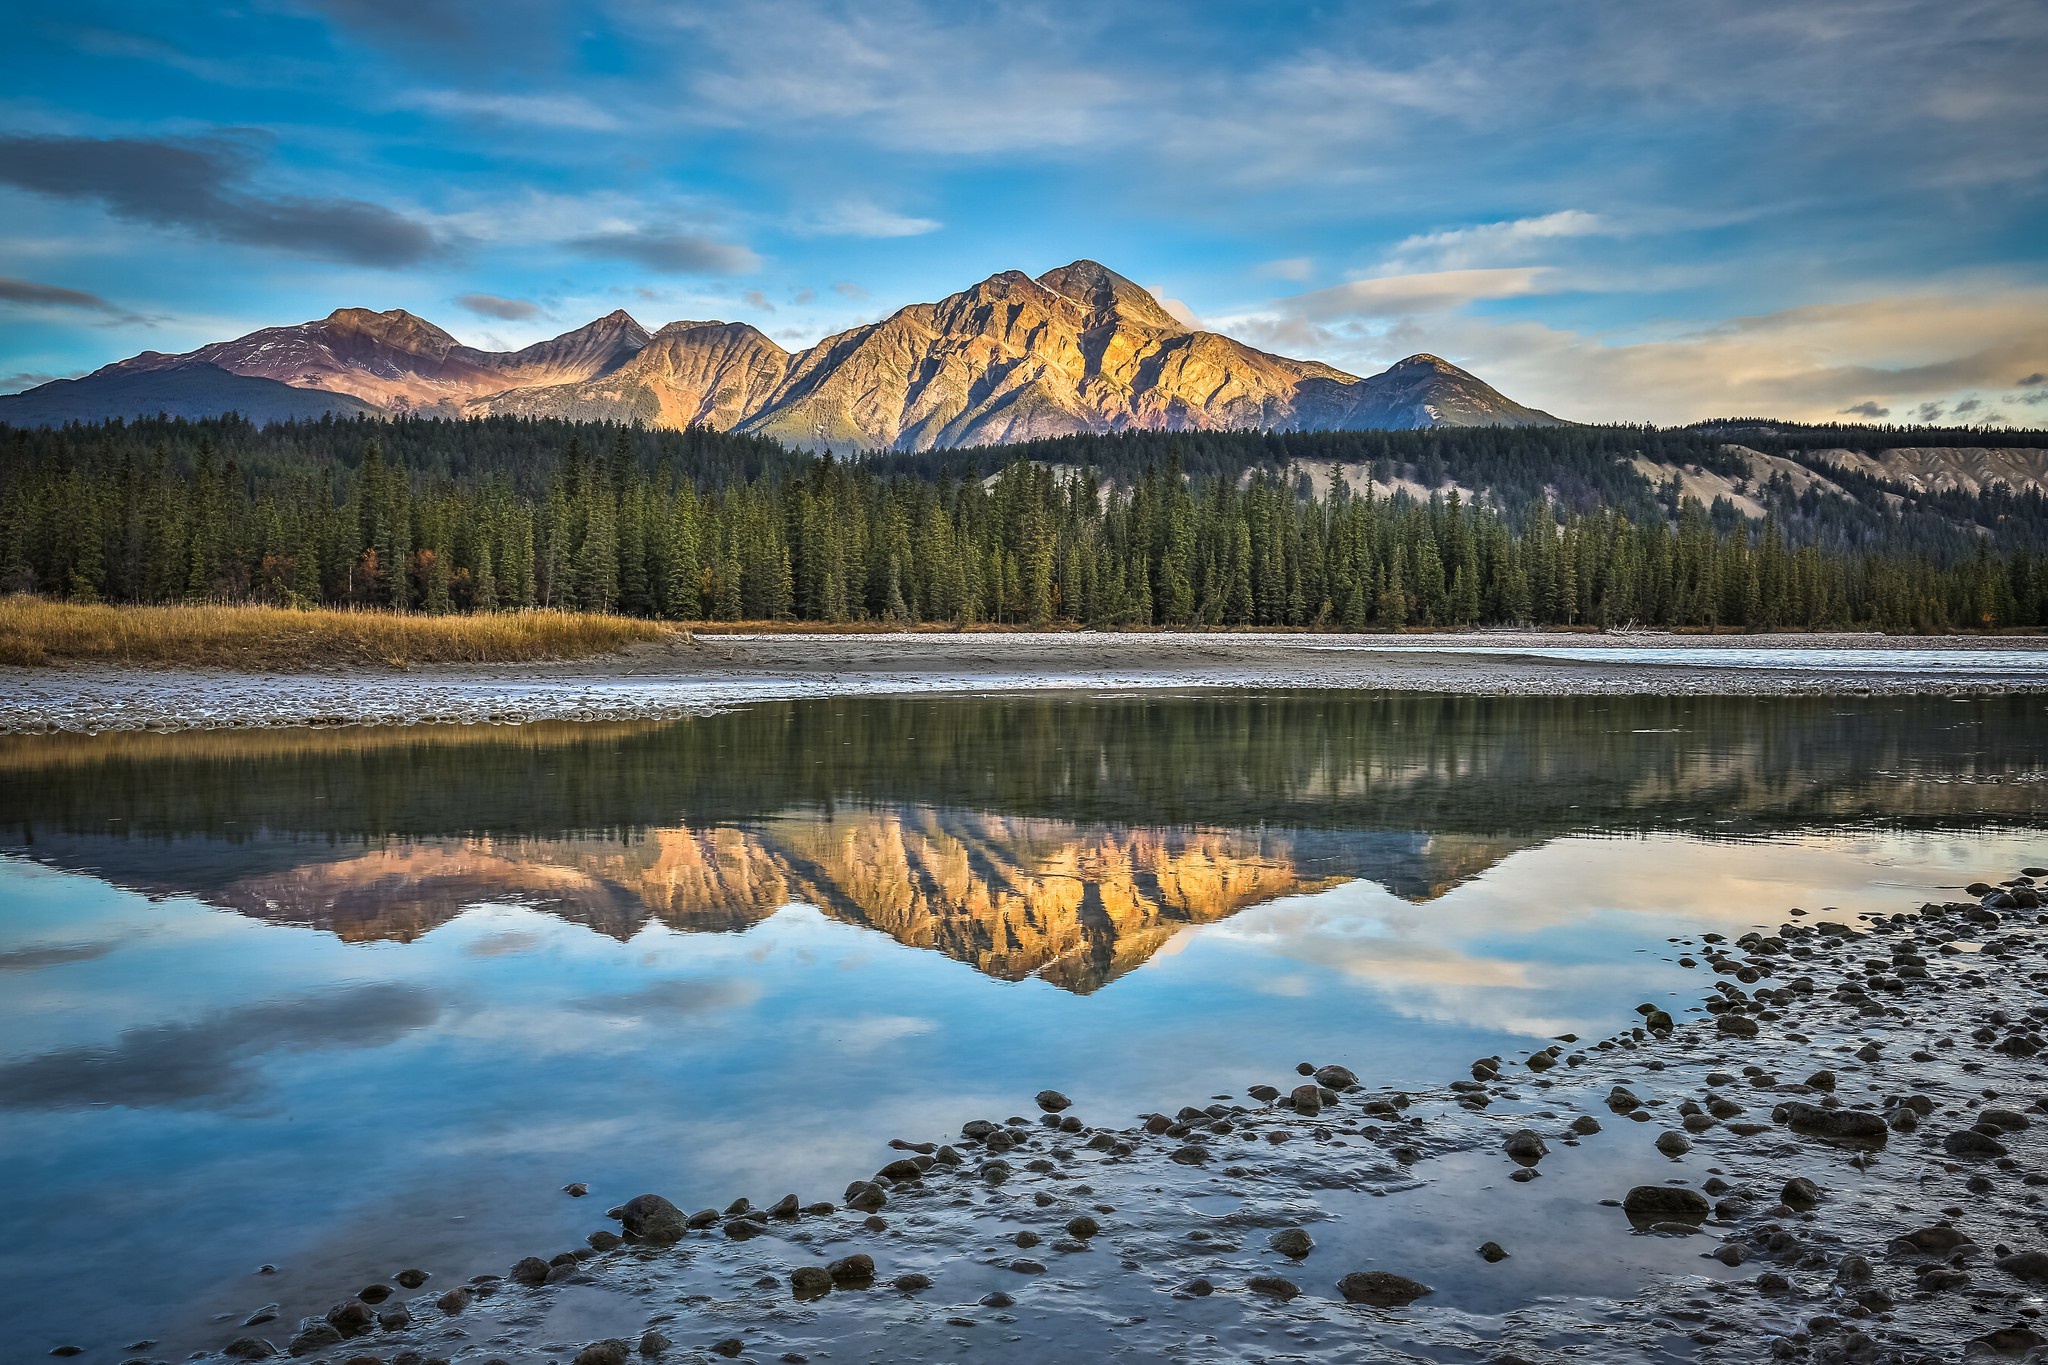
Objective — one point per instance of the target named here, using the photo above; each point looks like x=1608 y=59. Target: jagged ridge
x=1077 y=350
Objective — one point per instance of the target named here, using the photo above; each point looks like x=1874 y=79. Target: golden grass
x=35 y=630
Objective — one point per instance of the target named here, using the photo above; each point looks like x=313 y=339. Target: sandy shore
x=676 y=679
x=1839 y=1156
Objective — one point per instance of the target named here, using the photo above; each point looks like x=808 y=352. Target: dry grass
x=34 y=630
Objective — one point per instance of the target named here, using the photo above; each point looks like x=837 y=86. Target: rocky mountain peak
x=1108 y=296
x=394 y=327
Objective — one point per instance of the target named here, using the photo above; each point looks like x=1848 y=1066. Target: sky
x=1630 y=211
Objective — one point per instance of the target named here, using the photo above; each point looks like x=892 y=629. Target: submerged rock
x=1381 y=1289
x=652 y=1218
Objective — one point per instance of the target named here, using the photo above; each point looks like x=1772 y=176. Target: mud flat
x=1838 y=1156
x=683 y=677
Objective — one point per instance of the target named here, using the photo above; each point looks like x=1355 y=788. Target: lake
x=339 y=1001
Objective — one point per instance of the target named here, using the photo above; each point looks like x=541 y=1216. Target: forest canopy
x=1237 y=529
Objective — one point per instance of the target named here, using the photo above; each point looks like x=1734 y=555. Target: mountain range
x=1077 y=350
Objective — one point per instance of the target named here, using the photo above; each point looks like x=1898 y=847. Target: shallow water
x=345 y=1001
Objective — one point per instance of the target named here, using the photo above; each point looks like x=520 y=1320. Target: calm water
x=347 y=1001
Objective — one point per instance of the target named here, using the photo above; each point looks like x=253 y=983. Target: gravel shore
x=1838 y=1156
x=682 y=678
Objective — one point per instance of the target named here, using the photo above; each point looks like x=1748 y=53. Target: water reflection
x=1063 y=838
x=384 y=993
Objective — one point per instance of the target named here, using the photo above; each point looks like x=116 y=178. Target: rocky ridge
x=1078 y=349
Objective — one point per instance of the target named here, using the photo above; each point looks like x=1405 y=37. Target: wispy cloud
x=863 y=218
x=670 y=253
x=572 y=112
x=197 y=186
x=493 y=306
x=1390 y=296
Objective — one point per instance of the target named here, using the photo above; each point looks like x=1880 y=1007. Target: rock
x=912 y=1282
x=996 y=1299
x=1308 y=1100
x=1736 y=1025
x=1272 y=1286
x=1971 y=1145
x=455 y=1300
x=1491 y=1252
x=785 y=1207
x=1857 y=1127
x=1052 y=1101
x=1291 y=1242
x=575 y=1189
x=867 y=1196
x=1381 y=1289
x=731 y=1348
x=1336 y=1077
x=396 y=1318
x=1937 y=1240
x=2016 y=1340
x=1525 y=1147
x=317 y=1337
x=1190 y=1155
x=856 y=1269
x=1082 y=1226
x=1264 y=1094
x=809 y=1281
x=1647 y=1205
x=374 y=1293
x=1673 y=1144
x=610 y=1351
x=653 y=1343
x=901 y=1170
x=351 y=1317
x=652 y=1218
x=1585 y=1125
x=1799 y=1193
x=411 y=1279
x=604 y=1240
x=2031 y=1266
x=248 y=1348
x=1822 y=1080
x=1657 y=1021
x=530 y=1270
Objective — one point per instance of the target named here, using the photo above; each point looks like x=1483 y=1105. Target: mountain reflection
x=1064 y=838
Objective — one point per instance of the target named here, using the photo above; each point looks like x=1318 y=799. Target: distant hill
x=189 y=391
x=1077 y=351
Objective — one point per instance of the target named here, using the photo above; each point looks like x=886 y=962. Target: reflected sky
x=263 y=1003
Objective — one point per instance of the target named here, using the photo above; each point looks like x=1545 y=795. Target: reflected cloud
x=670 y=997
x=214 y=1062
x=56 y=955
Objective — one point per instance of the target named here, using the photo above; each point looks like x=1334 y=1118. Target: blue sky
x=1618 y=211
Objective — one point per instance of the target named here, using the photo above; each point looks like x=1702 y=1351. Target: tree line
x=745 y=531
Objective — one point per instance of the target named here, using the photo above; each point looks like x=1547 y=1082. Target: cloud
x=1179 y=312
x=1870 y=410
x=671 y=996
x=55 y=955
x=862 y=218
x=50 y=295
x=493 y=306
x=192 y=186
x=1389 y=296
x=215 y=1061
x=549 y=111
x=803 y=296
x=1297 y=268
x=754 y=298
x=1497 y=243
x=2037 y=377
x=1928 y=412
x=671 y=253
x=507 y=943
x=29 y=379
x=847 y=289
x=1967 y=406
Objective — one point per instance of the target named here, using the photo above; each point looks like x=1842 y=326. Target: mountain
x=1077 y=350
x=192 y=391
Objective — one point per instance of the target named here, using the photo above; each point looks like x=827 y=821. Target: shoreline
x=1646 y=1189
x=673 y=679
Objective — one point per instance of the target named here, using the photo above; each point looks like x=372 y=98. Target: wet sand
x=680 y=678
x=1645 y=1188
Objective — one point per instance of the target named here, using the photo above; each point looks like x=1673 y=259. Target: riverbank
x=1839 y=1156
x=677 y=676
